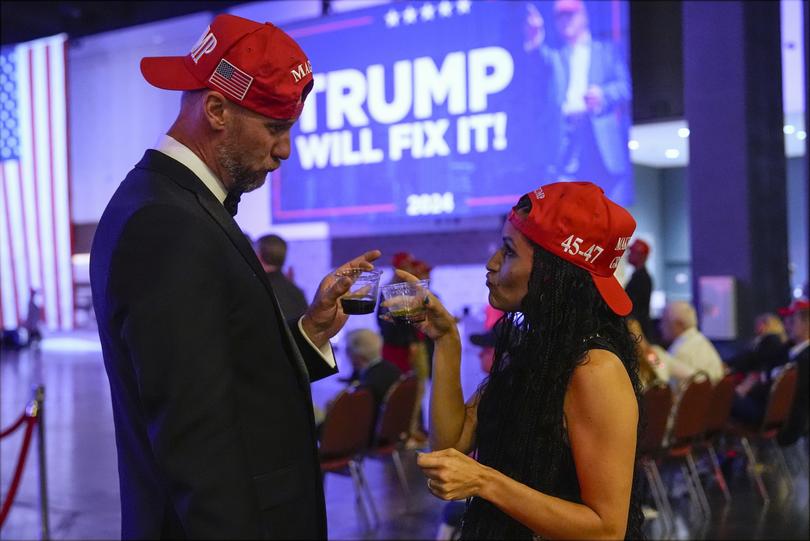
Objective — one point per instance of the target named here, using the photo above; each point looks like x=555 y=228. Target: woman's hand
x=452 y=475
x=439 y=322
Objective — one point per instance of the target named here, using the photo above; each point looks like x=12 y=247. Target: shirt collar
x=684 y=337
x=173 y=148
x=797 y=349
x=583 y=41
x=371 y=365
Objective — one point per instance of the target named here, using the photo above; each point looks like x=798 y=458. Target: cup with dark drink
x=362 y=295
x=405 y=301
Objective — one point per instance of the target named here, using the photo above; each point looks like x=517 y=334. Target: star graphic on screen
x=409 y=15
x=392 y=18
x=428 y=12
x=445 y=8
x=463 y=6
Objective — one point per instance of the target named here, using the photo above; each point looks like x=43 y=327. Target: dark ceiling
x=26 y=20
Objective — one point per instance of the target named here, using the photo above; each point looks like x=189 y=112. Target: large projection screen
x=456 y=108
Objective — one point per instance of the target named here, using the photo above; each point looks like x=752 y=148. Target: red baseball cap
x=578 y=223
x=252 y=64
x=796 y=306
x=402 y=260
x=641 y=246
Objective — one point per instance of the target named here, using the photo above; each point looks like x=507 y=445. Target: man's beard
x=243 y=178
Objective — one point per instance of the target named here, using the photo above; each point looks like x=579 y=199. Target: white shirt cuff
x=325 y=352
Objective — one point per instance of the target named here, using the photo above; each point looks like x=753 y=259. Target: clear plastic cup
x=362 y=295
x=405 y=301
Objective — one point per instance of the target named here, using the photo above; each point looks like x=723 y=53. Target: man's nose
x=282 y=148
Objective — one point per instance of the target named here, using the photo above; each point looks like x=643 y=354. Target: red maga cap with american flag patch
x=255 y=65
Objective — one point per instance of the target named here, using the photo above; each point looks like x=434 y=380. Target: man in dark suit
x=639 y=287
x=272 y=252
x=590 y=85
x=210 y=386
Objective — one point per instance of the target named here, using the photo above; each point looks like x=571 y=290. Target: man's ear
x=215 y=110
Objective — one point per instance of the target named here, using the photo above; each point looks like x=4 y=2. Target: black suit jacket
x=292 y=300
x=768 y=352
x=379 y=378
x=210 y=386
x=797 y=423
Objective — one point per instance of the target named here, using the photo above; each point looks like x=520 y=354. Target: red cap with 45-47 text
x=578 y=223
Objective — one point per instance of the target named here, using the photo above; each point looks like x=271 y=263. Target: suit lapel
x=187 y=180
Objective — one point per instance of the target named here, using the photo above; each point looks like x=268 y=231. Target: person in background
x=590 y=86
x=210 y=384
x=397 y=337
x=406 y=346
x=364 y=350
x=653 y=361
x=272 y=252
x=689 y=349
x=797 y=322
x=553 y=428
x=33 y=319
x=639 y=287
x=753 y=393
x=421 y=353
x=766 y=349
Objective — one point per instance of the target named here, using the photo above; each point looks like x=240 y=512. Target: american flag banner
x=35 y=243
x=231 y=80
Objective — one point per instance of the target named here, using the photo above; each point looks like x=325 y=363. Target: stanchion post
x=39 y=400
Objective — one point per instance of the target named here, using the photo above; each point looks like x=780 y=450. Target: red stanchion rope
x=15 y=426
x=15 y=483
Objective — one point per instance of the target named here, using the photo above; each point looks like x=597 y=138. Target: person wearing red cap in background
x=749 y=408
x=797 y=324
x=405 y=346
x=554 y=426
x=590 y=85
x=397 y=337
x=639 y=287
x=210 y=385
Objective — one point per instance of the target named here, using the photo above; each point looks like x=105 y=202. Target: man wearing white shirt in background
x=690 y=349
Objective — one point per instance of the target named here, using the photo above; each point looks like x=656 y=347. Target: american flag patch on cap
x=231 y=80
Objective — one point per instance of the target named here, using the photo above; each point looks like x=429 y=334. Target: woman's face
x=508 y=270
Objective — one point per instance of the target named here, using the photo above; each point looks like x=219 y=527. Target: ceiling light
x=683 y=132
x=801 y=135
x=672 y=153
x=632 y=144
x=789 y=129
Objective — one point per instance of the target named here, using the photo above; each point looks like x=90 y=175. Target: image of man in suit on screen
x=590 y=83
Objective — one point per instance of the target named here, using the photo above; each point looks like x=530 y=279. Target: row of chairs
x=349 y=434
x=695 y=418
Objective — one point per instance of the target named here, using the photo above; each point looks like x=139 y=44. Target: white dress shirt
x=579 y=64
x=691 y=352
x=176 y=150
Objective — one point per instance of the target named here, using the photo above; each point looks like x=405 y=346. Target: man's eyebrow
x=279 y=123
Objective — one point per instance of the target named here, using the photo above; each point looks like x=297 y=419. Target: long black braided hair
x=520 y=415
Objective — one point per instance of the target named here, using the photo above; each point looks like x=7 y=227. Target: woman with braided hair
x=552 y=430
